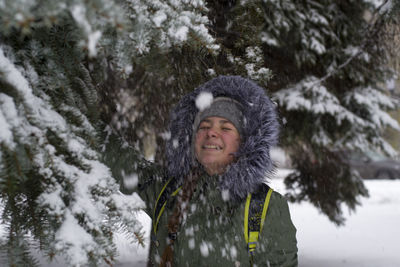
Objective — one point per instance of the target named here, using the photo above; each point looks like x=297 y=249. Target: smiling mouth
x=215 y=147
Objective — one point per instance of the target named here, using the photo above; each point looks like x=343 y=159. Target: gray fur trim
x=261 y=131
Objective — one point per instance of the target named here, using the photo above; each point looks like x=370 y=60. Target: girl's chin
x=214 y=168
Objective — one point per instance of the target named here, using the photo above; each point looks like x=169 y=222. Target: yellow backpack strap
x=254 y=216
x=169 y=189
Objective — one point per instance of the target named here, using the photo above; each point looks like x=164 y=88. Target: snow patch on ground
x=368 y=239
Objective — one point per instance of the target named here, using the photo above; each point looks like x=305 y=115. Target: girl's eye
x=204 y=128
x=226 y=129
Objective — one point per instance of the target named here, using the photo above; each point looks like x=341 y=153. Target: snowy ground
x=370 y=237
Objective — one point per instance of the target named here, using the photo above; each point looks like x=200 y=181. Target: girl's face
x=217 y=140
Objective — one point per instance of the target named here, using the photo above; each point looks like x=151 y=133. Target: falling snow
x=204 y=100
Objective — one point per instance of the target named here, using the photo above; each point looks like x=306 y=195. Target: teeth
x=212 y=147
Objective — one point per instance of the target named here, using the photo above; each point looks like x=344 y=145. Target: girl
x=219 y=155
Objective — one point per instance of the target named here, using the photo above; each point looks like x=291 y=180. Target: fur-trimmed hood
x=261 y=130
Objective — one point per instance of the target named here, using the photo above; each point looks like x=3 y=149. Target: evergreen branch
x=371 y=32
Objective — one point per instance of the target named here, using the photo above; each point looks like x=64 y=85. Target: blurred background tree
x=330 y=65
x=86 y=88
x=392 y=40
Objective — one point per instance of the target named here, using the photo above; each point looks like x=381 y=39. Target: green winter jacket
x=212 y=232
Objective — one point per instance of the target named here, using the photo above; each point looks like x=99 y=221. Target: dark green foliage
x=17 y=251
x=19 y=190
x=325 y=180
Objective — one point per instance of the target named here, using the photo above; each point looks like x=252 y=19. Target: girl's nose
x=212 y=132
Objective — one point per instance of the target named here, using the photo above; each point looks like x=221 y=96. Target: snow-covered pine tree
x=56 y=193
x=58 y=159
x=329 y=66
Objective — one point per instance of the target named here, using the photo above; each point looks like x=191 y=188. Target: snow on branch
x=363 y=109
x=167 y=23
x=375 y=103
x=312 y=97
x=78 y=13
x=27 y=15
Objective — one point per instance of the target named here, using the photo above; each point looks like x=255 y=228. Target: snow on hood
x=261 y=130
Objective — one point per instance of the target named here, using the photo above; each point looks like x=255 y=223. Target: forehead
x=215 y=119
